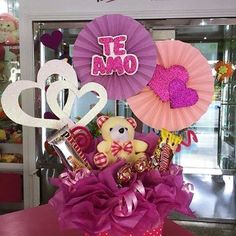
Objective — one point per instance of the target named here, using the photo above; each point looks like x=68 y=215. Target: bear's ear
x=132 y=121
x=101 y=120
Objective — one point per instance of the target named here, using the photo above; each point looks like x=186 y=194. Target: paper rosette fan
x=139 y=43
x=178 y=65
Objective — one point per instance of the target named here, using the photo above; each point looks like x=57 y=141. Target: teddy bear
x=9 y=34
x=118 y=141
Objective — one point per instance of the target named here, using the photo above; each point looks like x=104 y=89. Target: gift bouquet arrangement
x=121 y=182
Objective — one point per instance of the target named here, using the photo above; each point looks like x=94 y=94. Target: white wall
x=75 y=9
x=3 y=6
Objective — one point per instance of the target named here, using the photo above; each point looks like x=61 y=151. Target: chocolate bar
x=68 y=150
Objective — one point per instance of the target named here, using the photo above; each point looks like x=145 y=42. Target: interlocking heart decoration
x=10 y=97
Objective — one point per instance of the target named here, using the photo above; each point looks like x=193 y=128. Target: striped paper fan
x=151 y=110
x=139 y=43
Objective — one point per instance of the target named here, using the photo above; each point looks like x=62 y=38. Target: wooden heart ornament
x=10 y=97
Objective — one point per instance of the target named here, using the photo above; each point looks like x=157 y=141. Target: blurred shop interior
x=209 y=164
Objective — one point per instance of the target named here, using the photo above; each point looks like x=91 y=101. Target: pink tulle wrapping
x=90 y=207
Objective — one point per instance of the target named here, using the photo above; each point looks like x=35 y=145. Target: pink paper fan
x=153 y=111
x=139 y=43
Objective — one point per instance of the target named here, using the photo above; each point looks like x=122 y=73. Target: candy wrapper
x=68 y=146
x=165 y=150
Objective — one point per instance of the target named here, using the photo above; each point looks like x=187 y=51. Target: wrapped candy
x=165 y=158
x=141 y=165
x=165 y=150
x=125 y=174
x=67 y=144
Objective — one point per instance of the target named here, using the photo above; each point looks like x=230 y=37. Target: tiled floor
x=214 y=204
x=209 y=229
x=214 y=197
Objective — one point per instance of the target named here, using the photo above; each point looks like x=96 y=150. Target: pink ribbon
x=70 y=178
x=188 y=187
x=188 y=142
x=129 y=201
x=116 y=147
x=176 y=171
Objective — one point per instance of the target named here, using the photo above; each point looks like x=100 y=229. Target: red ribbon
x=116 y=147
x=129 y=201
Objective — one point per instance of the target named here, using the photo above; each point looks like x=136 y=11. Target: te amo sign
x=115 y=58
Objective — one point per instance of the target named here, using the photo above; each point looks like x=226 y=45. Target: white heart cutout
x=10 y=97
x=57 y=86
x=62 y=68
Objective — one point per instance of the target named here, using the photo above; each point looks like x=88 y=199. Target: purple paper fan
x=139 y=43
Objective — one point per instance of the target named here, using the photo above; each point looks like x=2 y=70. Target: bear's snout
x=121 y=130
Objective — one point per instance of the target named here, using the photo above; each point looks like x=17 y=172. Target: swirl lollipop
x=81 y=136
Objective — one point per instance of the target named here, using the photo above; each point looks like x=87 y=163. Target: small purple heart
x=180 y=95
x=162 y=78
x=52 y=40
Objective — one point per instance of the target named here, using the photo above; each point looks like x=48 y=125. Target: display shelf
x=230 y=138
x=11 y=148
x=11 y=167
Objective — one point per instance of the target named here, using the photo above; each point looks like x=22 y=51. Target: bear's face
x=118 y=129
x=7 y=26
x=119 y=133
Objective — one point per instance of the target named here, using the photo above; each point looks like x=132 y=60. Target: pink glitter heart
x=163 y=76
x=180 y=95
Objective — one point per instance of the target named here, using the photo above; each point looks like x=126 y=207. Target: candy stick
x=166 y=157
x=73 y=141
x=165 y=149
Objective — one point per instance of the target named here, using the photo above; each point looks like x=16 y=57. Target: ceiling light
x=203 y=22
